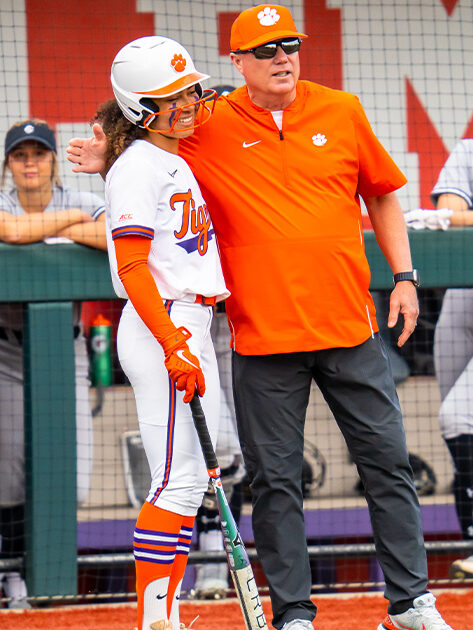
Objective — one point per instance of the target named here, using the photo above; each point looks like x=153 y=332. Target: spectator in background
x=453 y=346
x=34 y=208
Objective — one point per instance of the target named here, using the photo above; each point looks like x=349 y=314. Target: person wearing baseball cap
x=31 y=161
x=282 y=164
x=30 y=130
x=262 y=24
x=35 y=206
x=30 y=133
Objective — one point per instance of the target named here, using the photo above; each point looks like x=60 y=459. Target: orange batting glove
x=183 y=367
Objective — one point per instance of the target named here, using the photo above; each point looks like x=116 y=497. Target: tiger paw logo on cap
x=178 y=63
x=268 y=17
x=261 y=24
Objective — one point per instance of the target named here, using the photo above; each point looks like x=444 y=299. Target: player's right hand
x=88 y=154
x=183 y=367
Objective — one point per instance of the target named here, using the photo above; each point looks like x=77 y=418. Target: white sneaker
x=298 y=624
x=211 y=588
x=211 y=578
x=14 y=587
x=461 y=569
x=423 y=616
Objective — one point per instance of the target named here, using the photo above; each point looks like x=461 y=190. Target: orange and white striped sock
x=161 y=541
x=179 y=568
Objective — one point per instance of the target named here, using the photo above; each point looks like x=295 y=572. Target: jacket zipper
x=284 y=160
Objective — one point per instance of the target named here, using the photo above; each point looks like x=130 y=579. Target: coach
x=282 y=165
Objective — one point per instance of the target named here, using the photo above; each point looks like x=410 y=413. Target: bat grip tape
x=203 y=432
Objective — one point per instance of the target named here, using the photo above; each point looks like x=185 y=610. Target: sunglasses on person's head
x=268 y=51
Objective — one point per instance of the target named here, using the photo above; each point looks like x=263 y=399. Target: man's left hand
x=404 y=300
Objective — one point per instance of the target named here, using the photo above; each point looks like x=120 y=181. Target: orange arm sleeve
x=132 y=258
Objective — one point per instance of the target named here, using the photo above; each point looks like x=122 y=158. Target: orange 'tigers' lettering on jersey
x=199 y=219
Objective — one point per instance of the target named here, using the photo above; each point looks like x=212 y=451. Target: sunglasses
x=268 y=51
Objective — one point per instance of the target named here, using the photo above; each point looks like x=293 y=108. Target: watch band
x=411 y=276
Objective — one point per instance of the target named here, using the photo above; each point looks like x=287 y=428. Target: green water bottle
x=100 y=348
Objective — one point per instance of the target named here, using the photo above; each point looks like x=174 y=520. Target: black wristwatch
x=412 y=276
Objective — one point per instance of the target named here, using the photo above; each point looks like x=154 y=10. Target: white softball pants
x=178 y=473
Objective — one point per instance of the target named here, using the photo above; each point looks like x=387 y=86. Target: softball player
x=35 y=207
x=164 y=260
x=453 y=348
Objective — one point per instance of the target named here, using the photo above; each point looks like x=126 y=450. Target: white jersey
x=62 y=199
x=153 y=193
x=456 y=176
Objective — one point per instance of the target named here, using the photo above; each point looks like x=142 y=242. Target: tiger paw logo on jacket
x=319 y=139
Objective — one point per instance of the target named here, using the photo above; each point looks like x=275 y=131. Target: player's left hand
x=404 y=301
x=185 y=371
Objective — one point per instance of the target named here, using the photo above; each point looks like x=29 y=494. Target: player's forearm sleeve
x=132 y=259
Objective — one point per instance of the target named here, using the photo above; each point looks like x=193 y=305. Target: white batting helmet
x=150 y=67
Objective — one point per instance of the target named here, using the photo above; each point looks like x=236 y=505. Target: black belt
x=11 y=334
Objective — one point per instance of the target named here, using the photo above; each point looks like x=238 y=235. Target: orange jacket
x=285 y=207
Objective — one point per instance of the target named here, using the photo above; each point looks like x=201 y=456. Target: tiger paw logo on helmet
x=268 y=17
x=178 y=63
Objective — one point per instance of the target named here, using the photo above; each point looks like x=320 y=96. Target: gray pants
x=12 y=443
x=453 y=354
x=271 y=398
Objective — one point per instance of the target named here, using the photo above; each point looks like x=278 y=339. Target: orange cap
x=100 y=320
x=260 y=25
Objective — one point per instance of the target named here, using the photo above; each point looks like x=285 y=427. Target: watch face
x=415 y=277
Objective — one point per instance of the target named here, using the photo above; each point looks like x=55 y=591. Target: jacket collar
x=241 y=97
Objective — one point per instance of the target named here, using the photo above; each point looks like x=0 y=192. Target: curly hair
x=119 y=130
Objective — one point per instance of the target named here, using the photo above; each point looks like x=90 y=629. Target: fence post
x=50 y=450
